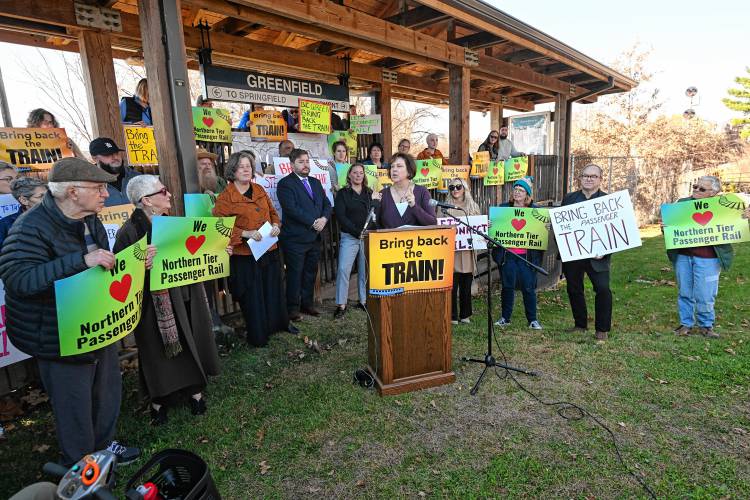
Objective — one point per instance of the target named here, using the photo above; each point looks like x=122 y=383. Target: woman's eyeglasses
x=696 y=187
x=163 y=191
x=494 y=136
x=458 y=187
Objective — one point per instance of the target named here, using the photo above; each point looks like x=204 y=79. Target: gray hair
x=601 y=172
x=431 y=135
x=59 y=190
x=140 y=186
x=233 y=163
x=24 y=186
x=4 y=165
x=715 y=182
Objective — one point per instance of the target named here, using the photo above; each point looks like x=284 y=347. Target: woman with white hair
x=28 y=191
x=176 y=348
x=697 y=270
x=465 y=261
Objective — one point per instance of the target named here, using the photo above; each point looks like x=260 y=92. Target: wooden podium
x=409 y=339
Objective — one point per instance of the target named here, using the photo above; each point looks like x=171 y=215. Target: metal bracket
x=504 y=99
x=204 y=53
x=572 y=90
x=471 y=57
x=390 y=76
x=98 y=17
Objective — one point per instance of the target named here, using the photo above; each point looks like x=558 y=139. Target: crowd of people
x=56 y=234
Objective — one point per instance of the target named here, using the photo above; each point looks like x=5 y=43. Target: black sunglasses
x=696 y=187
x=162 y=191
x=454 y=187
x=494 y=136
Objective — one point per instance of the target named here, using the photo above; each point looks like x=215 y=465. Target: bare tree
x=409 y=120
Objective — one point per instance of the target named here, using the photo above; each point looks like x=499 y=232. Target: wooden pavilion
x=463 y=53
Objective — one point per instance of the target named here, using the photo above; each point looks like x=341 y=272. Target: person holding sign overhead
x=176 y=348
x=697 y=270
x=515 y=272
x=306 y=212
x=596 y=268
x=465 y=261
x=59 y=238
x=255 y=283
x=41 y=118
x=404 y=203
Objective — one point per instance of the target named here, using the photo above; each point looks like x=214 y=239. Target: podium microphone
x=370 y=218
x=435 y=203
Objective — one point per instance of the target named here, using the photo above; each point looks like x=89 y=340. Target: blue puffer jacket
x=43 y=246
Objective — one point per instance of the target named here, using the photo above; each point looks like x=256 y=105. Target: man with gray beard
x=209 y=183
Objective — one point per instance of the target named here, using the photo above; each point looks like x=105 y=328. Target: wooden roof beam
x=418 y=18
x=233 y=26
x=480 y=40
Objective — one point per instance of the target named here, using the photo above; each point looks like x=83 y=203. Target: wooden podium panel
x=409 y=341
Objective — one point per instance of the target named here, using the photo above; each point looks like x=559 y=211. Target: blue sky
x=704 y=44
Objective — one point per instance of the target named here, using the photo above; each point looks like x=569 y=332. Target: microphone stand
x=489 y=360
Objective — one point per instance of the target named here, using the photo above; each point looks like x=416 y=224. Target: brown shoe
x=310 y=311
x=601 y=335
x=682 y=331
x=709 y=332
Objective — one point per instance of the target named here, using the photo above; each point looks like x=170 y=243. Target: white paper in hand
x=258 y=248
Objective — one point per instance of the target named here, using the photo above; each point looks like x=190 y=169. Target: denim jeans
x=349 y=248
x=698 y=284
x=516 y=273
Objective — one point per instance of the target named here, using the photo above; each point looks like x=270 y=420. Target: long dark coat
x=161 y=376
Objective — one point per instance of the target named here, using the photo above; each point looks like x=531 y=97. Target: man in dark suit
x=597 y=268
x=305 y=211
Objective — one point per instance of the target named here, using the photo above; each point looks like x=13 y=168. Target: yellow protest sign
x=384 y=177
x=480 y=164
x=141 y=145
x=113 y=218
x=454 y=172
x=33 y=148
x=411 y=260
x=314 y=117
x=267 y=126
x=212 y=124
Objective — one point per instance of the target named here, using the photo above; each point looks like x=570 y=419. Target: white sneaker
x=534 y=325
x=502 y=322
x=454 y=322
x=466 y=320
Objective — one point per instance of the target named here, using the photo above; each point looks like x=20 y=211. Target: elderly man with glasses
x=697 y=270
x=596 y=268
x=59 y=238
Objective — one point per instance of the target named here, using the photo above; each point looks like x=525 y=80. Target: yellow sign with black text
x=33 y=148
x=411 y=260
x=314 y=117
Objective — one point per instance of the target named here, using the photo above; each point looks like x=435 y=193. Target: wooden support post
x=458 y=114
x=562 y=141
x=496 y=116
x=169 y=96
x=384 y=108
x=101 y=86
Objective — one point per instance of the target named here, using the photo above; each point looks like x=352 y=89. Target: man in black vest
x=597 y=268
x=305 y=212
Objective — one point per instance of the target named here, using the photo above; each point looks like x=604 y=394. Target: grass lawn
x=285 y=421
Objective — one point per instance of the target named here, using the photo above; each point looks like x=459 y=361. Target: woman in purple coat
x=404 y=203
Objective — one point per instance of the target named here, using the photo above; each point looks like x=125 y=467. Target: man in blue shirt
x=108 y=155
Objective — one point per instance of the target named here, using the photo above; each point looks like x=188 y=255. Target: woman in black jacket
x=352 y=207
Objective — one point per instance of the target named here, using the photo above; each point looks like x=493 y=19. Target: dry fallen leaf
x=729 y=350
x=621 y=424
x=40 y=448
x=264 y=468
x=361 y=483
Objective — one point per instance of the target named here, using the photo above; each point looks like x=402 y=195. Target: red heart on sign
x=119 y=290
x=518 y=224
x=494 y=171
x=425 y=171
x=517 y=166
x=703 y=218
x=193 y=243
x=208 y=121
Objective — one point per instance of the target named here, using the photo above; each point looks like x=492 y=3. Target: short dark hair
x=337 y=144
x=36 y=116
x=375 y=145
x=296 y=153
x=411 y=167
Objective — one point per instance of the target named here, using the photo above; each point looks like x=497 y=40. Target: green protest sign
x=429 y=173
x=520 y=227
x=98 y=307
x=705 y=222
x=349 y=137
x=212 y=124
x=198 y=205
x=495 y=174
x=371 y=172
x=189 y=250
x=516 y=168
x=342 y=170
